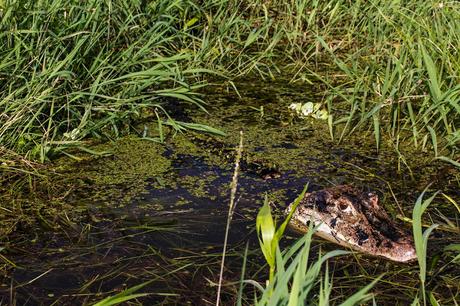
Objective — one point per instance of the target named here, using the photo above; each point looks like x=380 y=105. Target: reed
x=70 y=72
x=421 y=239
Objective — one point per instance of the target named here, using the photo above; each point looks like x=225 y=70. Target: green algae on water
x=132 y=160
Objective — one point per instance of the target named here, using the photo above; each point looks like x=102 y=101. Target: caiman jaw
x=354 y=219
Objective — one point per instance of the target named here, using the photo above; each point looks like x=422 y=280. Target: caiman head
x=351 y=218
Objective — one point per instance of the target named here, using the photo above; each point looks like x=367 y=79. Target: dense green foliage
x=400 y=68
x=72 y=69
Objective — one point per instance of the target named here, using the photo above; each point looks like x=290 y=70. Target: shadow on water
x=160 y=214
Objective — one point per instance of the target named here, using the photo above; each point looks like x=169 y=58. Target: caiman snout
x=400 y=252
x=354 y=219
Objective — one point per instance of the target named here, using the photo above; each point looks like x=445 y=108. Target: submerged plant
x=124 y=296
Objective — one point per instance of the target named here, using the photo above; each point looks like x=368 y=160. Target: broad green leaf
x=266 y=232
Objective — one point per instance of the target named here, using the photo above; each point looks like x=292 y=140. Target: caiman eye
x=343 y=206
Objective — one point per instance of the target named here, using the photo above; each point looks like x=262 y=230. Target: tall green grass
x=397 y=70
x=73 y=70
x=70 y=70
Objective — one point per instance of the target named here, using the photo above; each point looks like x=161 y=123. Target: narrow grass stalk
x=231 y=208
x=124 y=296
x=421 y=238
x=130 y=293
x=243 y=272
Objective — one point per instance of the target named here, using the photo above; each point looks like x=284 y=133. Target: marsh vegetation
x=118 y=127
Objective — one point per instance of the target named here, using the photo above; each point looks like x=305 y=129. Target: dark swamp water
x=158 y=212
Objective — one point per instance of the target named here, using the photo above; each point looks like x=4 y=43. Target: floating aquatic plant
x=309 y=109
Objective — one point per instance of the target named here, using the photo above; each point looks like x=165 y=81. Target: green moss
x=132 y=160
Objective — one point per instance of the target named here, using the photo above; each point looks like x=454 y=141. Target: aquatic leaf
x=414 y=123
x=316 y=107
x=94 y=152
x=282 y=228
x=280 y=269
x=453 y=247
x=456 y=248
x=243 y=271
x=321 y=114
x=452 y=201
x=330 y=123
x=291 y=286
x=296 y=107
x=295 y=287
x=298 y=288
x=310 y=109
x=184 y=97
x=160 y=127
x=115 y=300
x=191 y=22
x=325 y=289
x=376 y=120
x=173 y=59
x=433 y=81
x=253 y=36
x=416 y=301
x=194 y=126
x=267 y=233
x=434 y=140
x=456 y=259
x=433 y=300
